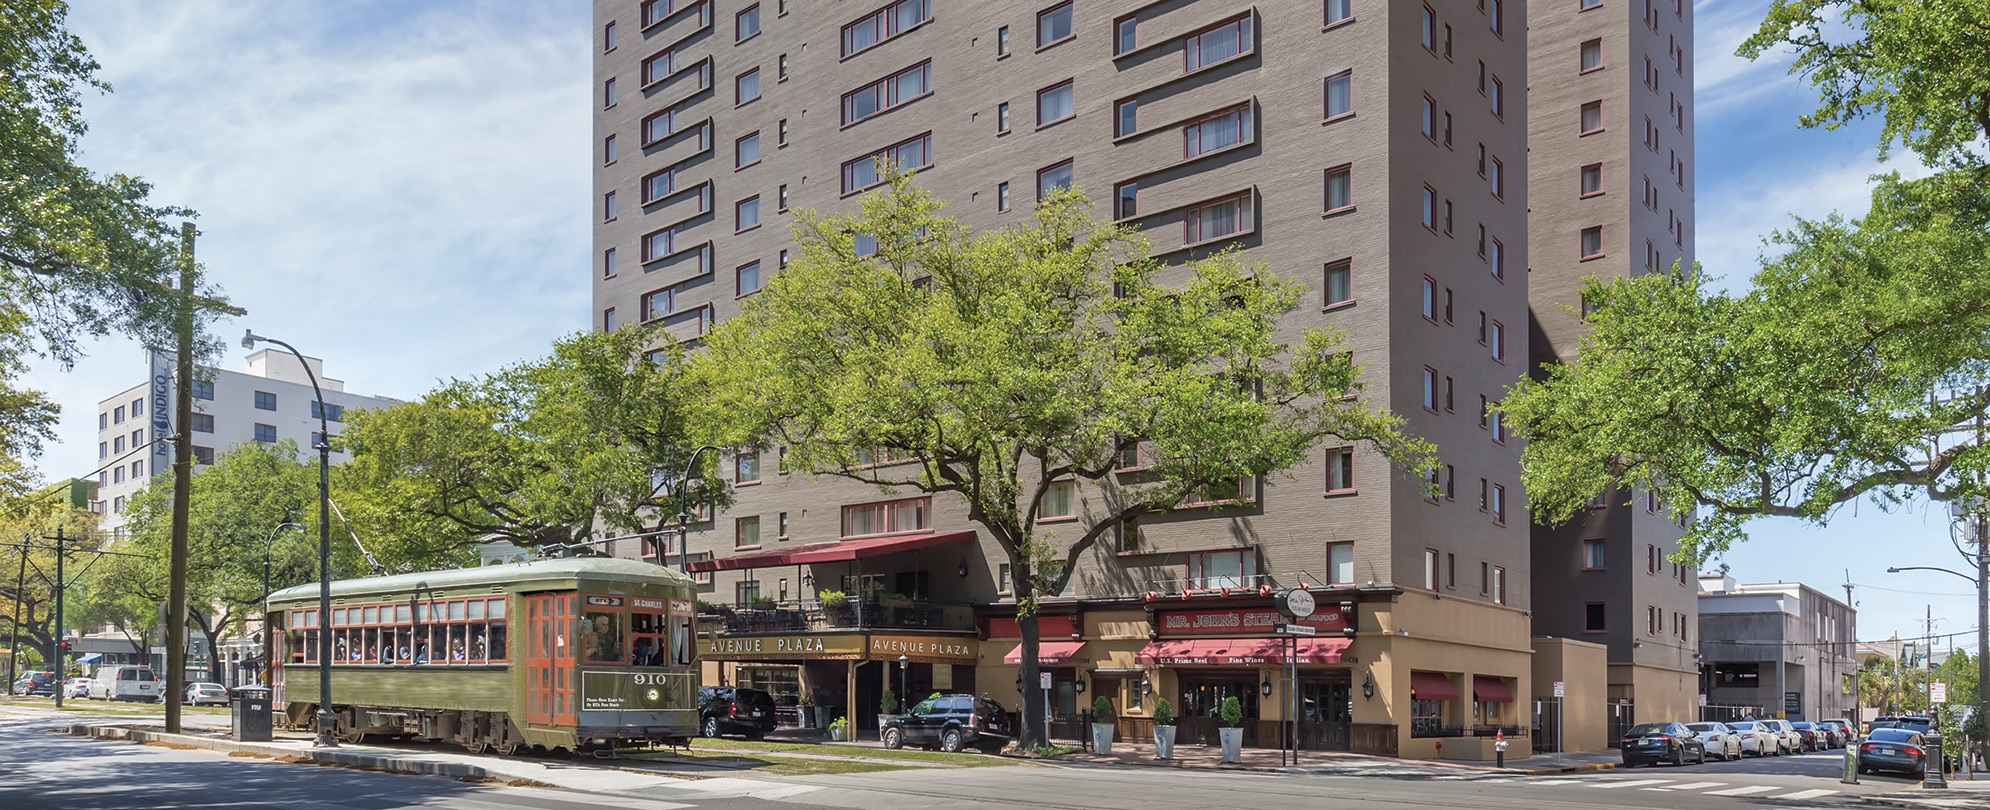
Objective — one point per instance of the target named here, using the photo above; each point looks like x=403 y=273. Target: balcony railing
x=801 y=615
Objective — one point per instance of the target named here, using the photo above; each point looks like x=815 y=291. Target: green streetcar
x=565 y=653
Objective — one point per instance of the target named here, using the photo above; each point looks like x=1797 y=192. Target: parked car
x=1652 y=743
x=1912 y=722
x=77 y=687
x=1893 y=749
x=1788 y=741
x=950 y=722
x=1756 y=739
x=1811 y=737
x=36 y=683
x=206 y=693
x=1718 y=739
x=735 y=710
x=126 y=683
x=1848 y=731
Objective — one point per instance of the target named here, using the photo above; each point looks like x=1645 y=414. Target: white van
x=126 y=683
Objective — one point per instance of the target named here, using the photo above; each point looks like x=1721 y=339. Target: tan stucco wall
x=1584 y=670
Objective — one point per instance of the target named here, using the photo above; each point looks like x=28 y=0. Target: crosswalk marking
x=1743 y=791
x=1804 y=794
x=1695 y=785
x=1630 y=783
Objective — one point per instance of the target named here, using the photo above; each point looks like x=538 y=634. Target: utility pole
x=59 y=665
x=1982 y=515
x=14 y=638
x=176 y=594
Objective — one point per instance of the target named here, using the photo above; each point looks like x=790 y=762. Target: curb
x=1172 y=764
x=351 y=759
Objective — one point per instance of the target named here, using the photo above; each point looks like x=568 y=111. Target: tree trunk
x=1035 y=729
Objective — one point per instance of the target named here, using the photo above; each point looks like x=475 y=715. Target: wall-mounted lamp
x=963 y=568
x=1146 y=686
x=1265 y=688
x=1367 y=686
x=1078 y=686
x=808 y=580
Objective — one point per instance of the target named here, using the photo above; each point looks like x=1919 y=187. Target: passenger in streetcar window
x=603 y=638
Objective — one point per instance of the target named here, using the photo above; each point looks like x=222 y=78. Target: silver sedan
x=1720 y=740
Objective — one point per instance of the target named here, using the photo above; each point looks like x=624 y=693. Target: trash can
x=250 y=719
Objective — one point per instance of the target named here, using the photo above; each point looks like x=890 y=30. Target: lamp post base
x=325 y=737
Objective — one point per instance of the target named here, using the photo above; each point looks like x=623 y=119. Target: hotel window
x=1592 y=555
x=781 y=133
x=1340 y=94
x=1498 y=341
x=103 y=450
x=1591 y=56
x=1340 y=192
x=1051 y=178
x=265 y=401
x=203 y=422
x=1450 y=395
x=746 y=24
x=1126 y=536
x=137 y=438
x=1053 y=25
x=203 y=455
x=746 y=468
x=1340 y=563
x=1126 y=199
x=1430 y=389
x=137 y=469
x=117 y=415
x=608 y=263
x=1217 y=44
x=1126 y=117
x=864 y=244
x=746 y=86
x=1498 y=179
x=1498 y=97
x=1428 y=299
x=1447 y=304
x=781 y=73
x=746 y=532
x=608 y=149
x=1060 y=500
x=746 y=214
x=1498 y=260
x=781 y=198
x=1208 y=570
x=781 y=526
x=1447 y=130
x=866 y=172
x=1002 y=196
x=659 y=303
x=117 y=475
x=1002 y=117
x=885 y=23
x=1497 y=17
x=1499 y=584
x=1219 y=131
x=265 y=433
x=1430 y=569
x=1429 y=211
x=1002 y=578
x=1054 y=104
x=608 y=93
x=1340 y=469
x=608 y=320
x=886 y=517
x=1592 y=118
x=1499 y=504
x=746 y=151
x=748 y=278
x=1217 y=220
x=1428 y=119
x=1125 y=35
x=1002 y=42
x=608 y=37
x=1592 y=179
x=1429 y=28
x=608 y=206
x=1592 y=242
x=899 y=88
x=1482 y=327
x=781 y=263
x=1450 y=482
x=658 y=67
x=658 y=125
x=1127 y=457
x=1589 y=4
x=1339 y=11
x=1339 y=284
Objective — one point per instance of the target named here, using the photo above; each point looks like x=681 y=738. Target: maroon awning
x=1490 y=689
x=833 y=551
x=1047 y=652
x=1432 y=686
x=1233 y=651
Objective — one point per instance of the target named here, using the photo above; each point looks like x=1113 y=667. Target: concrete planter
x=1164 y=742
x=1102 y=738
x=1233 y=743
x=836 y=733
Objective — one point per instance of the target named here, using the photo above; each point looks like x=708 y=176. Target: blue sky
x=402 y=189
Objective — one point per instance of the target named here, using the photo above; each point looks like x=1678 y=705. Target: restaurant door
x=1202 y=704
x=1326 y=711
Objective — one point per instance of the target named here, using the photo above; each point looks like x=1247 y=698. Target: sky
x=402 y=189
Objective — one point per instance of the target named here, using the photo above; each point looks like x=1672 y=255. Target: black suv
x=733 y=710
x=950 y=722
x=37 y=683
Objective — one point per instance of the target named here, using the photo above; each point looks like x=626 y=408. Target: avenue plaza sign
x=840 y=647
x=1256 y=621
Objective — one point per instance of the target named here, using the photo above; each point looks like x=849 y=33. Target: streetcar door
x=549 y=658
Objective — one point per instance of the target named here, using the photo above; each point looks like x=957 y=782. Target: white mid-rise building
x=269 y=402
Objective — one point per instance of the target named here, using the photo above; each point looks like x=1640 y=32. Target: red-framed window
x=1224 y=40
x=874 y=28
x=1594 y=557
x=868 y=171
x=1218 y=219
x=1340 y=564
x=1220 y=130
x=912 y=83
x=1340 y=188
x=1338 y=284
x=902 y=516
x=1340 y=94
x=1054 y=25
x=1340 y=469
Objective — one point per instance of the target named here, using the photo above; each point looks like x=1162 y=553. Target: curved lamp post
x=324 y=446
x=684 y=506
x=1982 y=626
x=269 y=638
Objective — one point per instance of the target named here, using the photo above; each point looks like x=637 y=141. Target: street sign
x=1560 y=689
x=1703 y=699
x=1938 y=693
x=1293 y=630
x=1294 y=602
x=1046 y=680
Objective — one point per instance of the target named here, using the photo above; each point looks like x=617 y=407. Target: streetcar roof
x=613 y=569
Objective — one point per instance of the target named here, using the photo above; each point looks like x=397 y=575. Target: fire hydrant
x=1499 y=749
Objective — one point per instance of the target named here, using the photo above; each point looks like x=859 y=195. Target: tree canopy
x=986 y=366
x=544 y=453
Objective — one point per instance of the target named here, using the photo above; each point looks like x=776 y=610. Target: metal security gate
x=1547 y=725
x=1623 y=715
x=1729 y=714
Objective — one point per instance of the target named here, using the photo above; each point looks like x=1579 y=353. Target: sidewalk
x=1959 y=795
x=1333 y=762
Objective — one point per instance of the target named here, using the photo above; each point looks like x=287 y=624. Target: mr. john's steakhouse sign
x=1240 y=621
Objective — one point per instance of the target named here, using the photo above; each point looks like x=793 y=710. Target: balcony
x=813 y=615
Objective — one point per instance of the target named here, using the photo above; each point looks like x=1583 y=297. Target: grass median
x=721 y=744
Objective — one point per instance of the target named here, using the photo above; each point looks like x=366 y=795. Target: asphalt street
x=48 y=770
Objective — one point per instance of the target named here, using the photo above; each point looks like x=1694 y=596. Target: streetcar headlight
x=653 y=695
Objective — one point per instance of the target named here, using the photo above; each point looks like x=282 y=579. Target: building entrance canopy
x=1047 y=652
x=830 y=552
x=1241 y=651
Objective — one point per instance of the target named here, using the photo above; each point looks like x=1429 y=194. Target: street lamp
x=906 y=697
x=1982 y=583
x=684 y=508
x=269 y=638
x=324 y=445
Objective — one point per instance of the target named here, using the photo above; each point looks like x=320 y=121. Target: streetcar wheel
x=478 y=747
x=505 y=749
x=711 y=728
x=894 y=738
x=950 y=741
x=351 y=737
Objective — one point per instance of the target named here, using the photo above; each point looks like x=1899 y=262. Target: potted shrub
x=839 y=729
x=805 y=709
x=1103 y=725
x=763 y=603
x=1164 y=730
x=887 y=707
x=895 y=600
x=1231 y=735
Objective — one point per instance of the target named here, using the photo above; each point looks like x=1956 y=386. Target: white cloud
x=399 y=189
x=1736 y=214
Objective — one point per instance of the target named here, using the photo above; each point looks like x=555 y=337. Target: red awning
x=1432 y=686
x=1490 y=689
x=834 y=551
x=1047 y=652
x=1231 y=651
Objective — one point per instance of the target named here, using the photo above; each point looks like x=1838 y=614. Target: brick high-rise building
x=1376 y=151
x=1611 y=90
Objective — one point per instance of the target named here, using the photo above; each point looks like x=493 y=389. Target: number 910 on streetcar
x=566 y=653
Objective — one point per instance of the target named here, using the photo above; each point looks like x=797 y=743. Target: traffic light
x=63 y=646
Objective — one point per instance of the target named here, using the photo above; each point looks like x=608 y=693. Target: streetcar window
x=456 y=611
x=372 y=615
x=496 y=647
x=402 y=614
x=497 y=608
x=680 y=639
x=601 y=638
